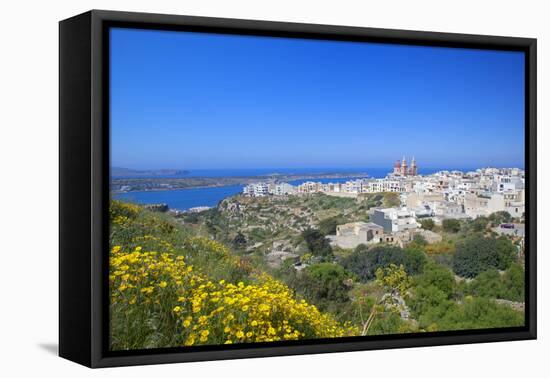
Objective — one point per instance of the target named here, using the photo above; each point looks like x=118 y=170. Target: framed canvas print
x=234 y=188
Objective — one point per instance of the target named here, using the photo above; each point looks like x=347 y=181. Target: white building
x=505 y=183
x=475 y=206
x=395 y=220
x=283 y=189
x=259 y=189
x=509 y=201
x=310 y=187
x=393 y=185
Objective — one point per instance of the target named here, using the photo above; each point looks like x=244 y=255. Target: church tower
x=397 y=168
x=404 y=167
x=413 y=170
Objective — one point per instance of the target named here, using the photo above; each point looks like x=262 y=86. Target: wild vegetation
x=203 y=279
x=259 y=221
x=169 y=289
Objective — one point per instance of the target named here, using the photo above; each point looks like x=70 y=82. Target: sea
x=185 y=199
x=182 y=199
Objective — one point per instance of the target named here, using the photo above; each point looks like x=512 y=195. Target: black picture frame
x=84 y=186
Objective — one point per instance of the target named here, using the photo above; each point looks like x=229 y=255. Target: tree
x=433 y=300
x=395 y=282
x=479 y=224
x=328 y=226
x=427 y=224
x=394 y=279
x=487 y=284
x=326 y=285
x=492 y=284
x=317 y=244
x=506 y=252
x=428 y=304
x=415 y=259
x=513 y=282
x=432 y=294
x=364 y=261
x=451 y=225
x=500 y=217
x=477 y=254
x=239 y=241
x=438 y=276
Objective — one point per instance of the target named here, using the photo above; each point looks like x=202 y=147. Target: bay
x=184 y=199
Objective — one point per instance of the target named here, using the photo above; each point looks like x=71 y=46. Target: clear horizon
x=302 y=169
x=193 y=101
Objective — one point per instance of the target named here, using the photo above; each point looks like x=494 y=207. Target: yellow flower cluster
x=129 y=210
x=158 y=299
x=266 y=311
x=201 y=311
x=121 y=213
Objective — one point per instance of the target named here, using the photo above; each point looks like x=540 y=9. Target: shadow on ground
x=51 y=348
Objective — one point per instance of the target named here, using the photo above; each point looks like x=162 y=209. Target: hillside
x=189 y=281
x=264 y=220
x=171 y=289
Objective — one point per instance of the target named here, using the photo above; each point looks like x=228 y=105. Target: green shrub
x=328 y=226
x=239 y=241
x=480 y=313
x=500 y=217
x=427 y=224
x=487 y=284
x=326 y=285
x=451 y=225
x=439 y=277
x=514 y=283
x=492 y=284
x=477 y=254
x=478 y=225
x=364 y=261
x=432 y=294
x=317 y=244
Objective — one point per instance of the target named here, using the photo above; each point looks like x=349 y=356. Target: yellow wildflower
x=190 y=340
x=204 y=335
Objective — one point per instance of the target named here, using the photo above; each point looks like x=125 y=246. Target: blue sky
x=204 y=101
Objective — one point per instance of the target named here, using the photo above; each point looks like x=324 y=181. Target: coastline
x=230 y=181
